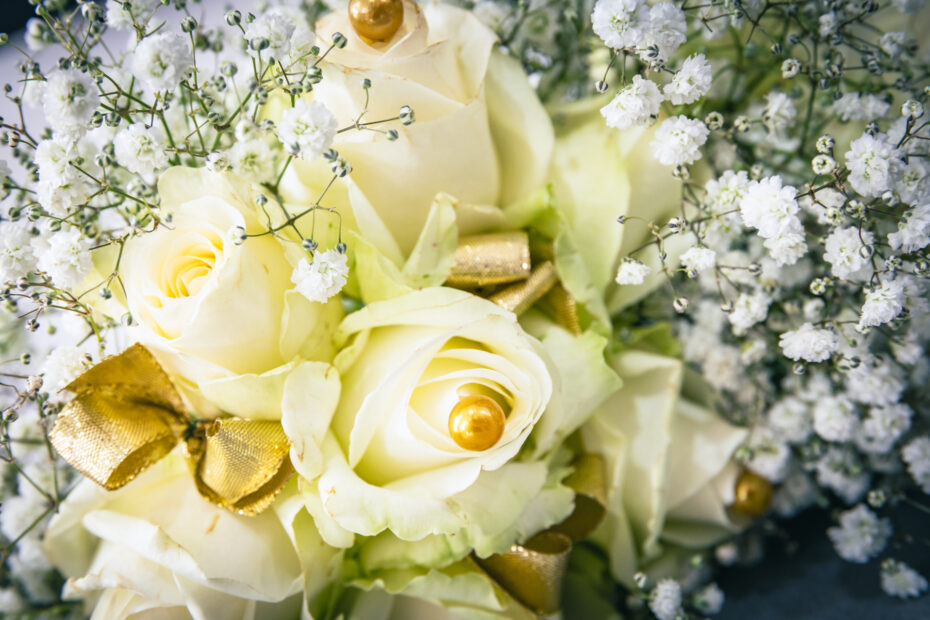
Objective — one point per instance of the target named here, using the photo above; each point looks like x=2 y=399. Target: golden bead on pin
x=476 y=423
x=376 y=20
x=753 y=494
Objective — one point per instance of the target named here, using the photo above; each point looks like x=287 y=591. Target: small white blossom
x=665 y=599
x=141 y=150
x=809 y=343
x=770 y=207
x=723 y=368
x=827 y=24
x=917 y=456
x=691 y=82
x=62 y=366
x=253 y=159
x=666 y=30
x=882 y=427
x=161 y=60
x=678 y=141
x=856 y=107
x=900 y=580
x=16 y=252
x=878 y=382
x=120 y=15
x=275 y=28
x=324 y=277
x=861 y=534
x=725 y=193
x=795 y=493
x=912 y=182
x=882 y=303
x=786 y=248
x=709 y=599
x=64 y=256
x=69 y=100
x=791 y=418
x=892 y=42
x=835 y=418
x=635 y=104
x=748 y=310
x=620 y=23
x=913 y=232
x=307 y=130
x=779 y=113
x=844 y=251
x=840 y=470
x=631 y=271
x=698 y=259
x=770 y=454
x=873 y=162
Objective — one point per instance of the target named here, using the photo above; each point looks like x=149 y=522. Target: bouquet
x=492 y=309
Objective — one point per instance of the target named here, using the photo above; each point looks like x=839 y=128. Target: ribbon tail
x=532 y=573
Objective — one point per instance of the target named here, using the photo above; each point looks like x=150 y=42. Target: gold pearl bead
x=476 y=423
x=753 y=494
x=376 y=20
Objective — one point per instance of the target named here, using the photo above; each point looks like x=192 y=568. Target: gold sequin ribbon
x=532 y=572
x=499 y=266
x=126 y=415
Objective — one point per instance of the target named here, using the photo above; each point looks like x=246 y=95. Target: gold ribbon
x=532 y=573
x=126 y=416
x=501 y=267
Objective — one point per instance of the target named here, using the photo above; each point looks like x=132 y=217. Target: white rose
x=157 y=547
x=390 y=461
x=480 y=134
x=669 y=468
x=212 y=308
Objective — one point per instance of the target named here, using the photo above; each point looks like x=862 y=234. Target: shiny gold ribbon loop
x=490 y=260
x=126 y=415
x=532 y=573
x=520 y=297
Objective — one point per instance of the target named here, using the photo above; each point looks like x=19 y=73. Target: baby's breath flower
x=632 y=271
x=678 y=141
x=860 y=535
x=635 y=104
x=900 y=580
x=323 y=277
x=790 y=68
x=307 y=130
x=809 y=343
x=665 y=599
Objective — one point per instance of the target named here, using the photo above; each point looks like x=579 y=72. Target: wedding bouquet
x=508 y=308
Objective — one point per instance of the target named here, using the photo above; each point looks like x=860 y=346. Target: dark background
x=810 y=584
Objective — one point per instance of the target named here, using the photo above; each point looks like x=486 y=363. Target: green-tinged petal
x=387 y=552
x=368 y=510
x=434 y=254
x=378 y=277
x=521 y=130
x=251 y=396
x=309 y=397
x=583 y=371
x=576 y=276
x=307 y=327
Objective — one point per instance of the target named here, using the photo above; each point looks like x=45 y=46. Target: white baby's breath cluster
x=799 y=258
x=139 y=87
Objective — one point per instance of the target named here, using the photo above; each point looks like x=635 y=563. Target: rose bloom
x=156 y=548
x=669 y=468
x=481 y=134
x=389 y=460
x=208 y=307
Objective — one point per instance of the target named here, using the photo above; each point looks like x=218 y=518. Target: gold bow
x=502 y=267
x=532 y=573
x=126 y=415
